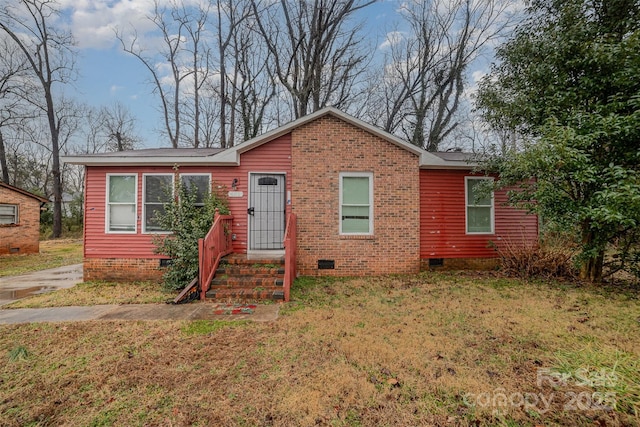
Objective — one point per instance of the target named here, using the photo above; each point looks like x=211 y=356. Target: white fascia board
x=451 y=165
x=146 y=161
x=447 y=164
x=228 y=157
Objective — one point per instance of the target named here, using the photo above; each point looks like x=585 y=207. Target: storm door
x=266 y=211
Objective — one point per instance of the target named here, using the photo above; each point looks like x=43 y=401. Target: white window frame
x=144 y=201
x=356 y=175
x=16 y=213
x=467 y=205
x=107 y=215
x=208 y=175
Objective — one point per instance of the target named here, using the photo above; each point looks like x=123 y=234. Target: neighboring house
x=19 y=220
x=367 y=202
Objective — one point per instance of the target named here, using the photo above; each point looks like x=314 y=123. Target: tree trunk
x=3 y=161
x=591 y=268
x=55 y=167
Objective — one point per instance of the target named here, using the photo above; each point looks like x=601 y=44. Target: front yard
x=53 y=253
x=431 y=349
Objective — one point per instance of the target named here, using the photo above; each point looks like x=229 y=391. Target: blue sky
x=107 y=74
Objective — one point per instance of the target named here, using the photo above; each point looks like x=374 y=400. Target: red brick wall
x=22 y=238
x=320 y=151
x=122 y=269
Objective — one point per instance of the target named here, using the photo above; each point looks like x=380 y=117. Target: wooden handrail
x=216 y=244
x=290 y=253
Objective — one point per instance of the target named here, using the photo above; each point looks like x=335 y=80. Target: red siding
x=272 y=157
x=442 y=223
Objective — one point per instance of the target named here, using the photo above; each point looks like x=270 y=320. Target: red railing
x=216 y=244
x=290 y=252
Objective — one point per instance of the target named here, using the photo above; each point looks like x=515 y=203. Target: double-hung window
x=356 y=203
x=479 y=201
x=121 y=203
x=200 y=184
x=158 y=191
x=8 y=214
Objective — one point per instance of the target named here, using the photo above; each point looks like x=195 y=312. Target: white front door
x=266 y=211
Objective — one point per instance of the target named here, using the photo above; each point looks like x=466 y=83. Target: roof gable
x=231 y=156
x=24 y=192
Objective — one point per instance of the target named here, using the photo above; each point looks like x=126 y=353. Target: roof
x=231 y=156
x=458 y=156
x=147 y=156
x=161 y=152
x=24 y=192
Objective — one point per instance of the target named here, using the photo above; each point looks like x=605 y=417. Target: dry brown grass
x=553 y=259
x=53 y=253
x=95 y=293
x=408 y=350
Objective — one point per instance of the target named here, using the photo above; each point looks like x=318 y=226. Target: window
x=200 y=183
x=356 y=194
x=121 y=203
x=479 y=205
x=158 y=190
x=8 y=214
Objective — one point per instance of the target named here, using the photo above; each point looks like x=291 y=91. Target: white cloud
x=93 y=22
x=114 y=89
x=477 y=75
x=392 y=38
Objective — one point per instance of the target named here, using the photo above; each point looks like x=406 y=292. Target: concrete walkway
x=16 y=287
x=191 y=311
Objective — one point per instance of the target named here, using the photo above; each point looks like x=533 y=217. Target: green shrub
x=188 y=221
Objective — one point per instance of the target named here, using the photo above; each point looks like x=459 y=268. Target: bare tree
x=180 y=69
x=111 y=128
x=118 y=127
x=231 y=17
x=316 y=50
x=210 y=117
x=13 y=68
x=49 y=51
x=423 y=78
x=194 y=22
x=253 y=81
x=172 y=38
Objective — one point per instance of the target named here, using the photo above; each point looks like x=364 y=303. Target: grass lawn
x=94 y=293
x=430 y=349
x=53 y=253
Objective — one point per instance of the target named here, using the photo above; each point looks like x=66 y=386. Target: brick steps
x=244 y=295
x=239 y=278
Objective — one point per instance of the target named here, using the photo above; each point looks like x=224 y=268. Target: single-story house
x=19 y=220
x=366 y=202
